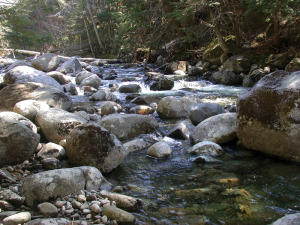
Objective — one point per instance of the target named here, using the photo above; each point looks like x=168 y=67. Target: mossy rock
x=214 y=51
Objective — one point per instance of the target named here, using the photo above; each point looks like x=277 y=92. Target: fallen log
x=34 y=53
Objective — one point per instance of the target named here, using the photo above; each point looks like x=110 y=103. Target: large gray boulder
x=29 y=108
x=24 y=74
x=46 y=62
x=201 y=111
x=237 y=64
x=268 y=115
x=292 y=219
x=19 y=118
x=129 y=126
x=40 y=187
x=93 y=145
x=56 y=124
x=162 y=84
x=17 y=142
x=225 y=77
x=219 y=129
x=174 y=107
x=15 y=93
x=71 y=66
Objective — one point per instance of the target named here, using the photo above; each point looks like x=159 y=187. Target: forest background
x=176 y=29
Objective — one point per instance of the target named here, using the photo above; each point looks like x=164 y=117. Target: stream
x=243 y=187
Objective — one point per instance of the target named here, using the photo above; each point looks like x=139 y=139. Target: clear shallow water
x=243 y=188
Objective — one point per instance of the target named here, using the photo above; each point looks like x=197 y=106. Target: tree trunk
x=276 y=23
x=88 y=35
x=94 y=25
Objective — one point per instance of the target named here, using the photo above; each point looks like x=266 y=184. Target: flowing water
x=243 y=187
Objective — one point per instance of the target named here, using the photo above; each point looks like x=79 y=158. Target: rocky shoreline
x=37 y=182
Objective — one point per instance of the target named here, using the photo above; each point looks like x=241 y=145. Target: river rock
x=52 y=150
x=51 y=163
x=24 y=74
x=292 y=219
x=130 y=88
x=177 y=65
x=225 y=77
x=142 y=109
x=195 y=71
x=278 y=61
x=206 y=148
x=19 y=218
x=123 y=201
x=162 y=84
x=160 y=150
x=47 y=209
x=71 y=88
x=92 y=81
x=268 y=115
x=218 y=129
x=237 y=64
x=19 y=118
x=91 y=144
x=98 y=96
x=59 y=77
x=29 y=108
x=49 y=221
x=18 y=63
x=15 y=93
x=293 y=65
x=40 y=187
x=129 y=125
x=108 y=109
x=81 y=76
x=201 y=111
x=137 y=145
x=174 y=107
x=12 y=197
x=182 y=129
x=146 y=99
x=46 y=62
x=117 y=214
x=56 y=124
x=71 y=66
x=17 y=142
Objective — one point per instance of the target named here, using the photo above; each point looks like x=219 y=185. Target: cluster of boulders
x=37 y=106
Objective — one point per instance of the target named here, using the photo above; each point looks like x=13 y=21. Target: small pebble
x=104 y=219
x=75 y=216
x=81 y=198
x=84 y=206
x=81 y=192
x=69 y=205
x=113 y=222
x=86 y=211
x=88 y=216
x=10 y=169
x=69 y=211
x=95 y=208
x=95 y=202
x=76 y=205
x=59 y=204
x=63 y=208
x=97 y=217
x=97 y=221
